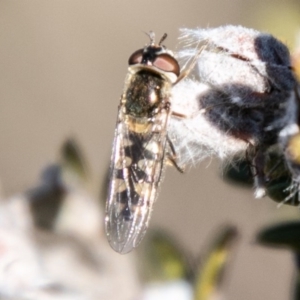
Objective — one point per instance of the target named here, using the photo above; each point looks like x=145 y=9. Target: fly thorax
x=145 y=93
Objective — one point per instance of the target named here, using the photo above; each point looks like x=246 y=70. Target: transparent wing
x=136 y=171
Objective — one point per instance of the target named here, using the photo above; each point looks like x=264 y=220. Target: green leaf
x=46 y=199
x=279 y=180
x=73 y=163
x=279 y=191
x=285 y=235
x=297 y=279
x=211 y=274
x=238 y=172
x=163 y=259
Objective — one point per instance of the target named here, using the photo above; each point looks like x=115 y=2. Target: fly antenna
x=151 y=36
x=162 y=38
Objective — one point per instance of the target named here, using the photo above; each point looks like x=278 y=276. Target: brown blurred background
x=62 y=68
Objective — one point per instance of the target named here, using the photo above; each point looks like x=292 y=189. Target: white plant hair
x=240 y=96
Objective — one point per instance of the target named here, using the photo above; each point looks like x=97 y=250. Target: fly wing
x=135 y=173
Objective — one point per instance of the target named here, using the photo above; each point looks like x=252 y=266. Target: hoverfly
x=141 y=144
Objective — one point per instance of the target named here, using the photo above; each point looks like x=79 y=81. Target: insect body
x=141 y=144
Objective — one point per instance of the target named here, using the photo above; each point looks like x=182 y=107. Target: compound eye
x=167 y=63
x=136 y=57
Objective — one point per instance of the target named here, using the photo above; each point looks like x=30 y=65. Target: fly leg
x=172 y=157
x=188 y=69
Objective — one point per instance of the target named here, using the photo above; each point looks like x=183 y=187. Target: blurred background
x=62 y=69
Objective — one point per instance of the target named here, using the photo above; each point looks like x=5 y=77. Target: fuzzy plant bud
x=242 y=96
